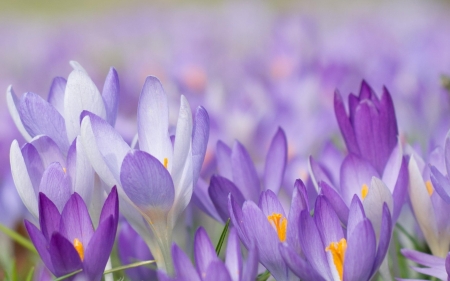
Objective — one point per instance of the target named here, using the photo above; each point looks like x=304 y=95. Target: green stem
x=132 y=265
x=18 y=238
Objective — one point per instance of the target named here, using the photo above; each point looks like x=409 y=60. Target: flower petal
x=298 y=204
x=251 y=265
x=344 y=124
x=13 y=106
x=269 y=204
x=49 y=217
x=56 y=94
x=111 y=207
x=81 y=94
x=327 y=221
x=335 y=200
x=110 y=95
x=200 y=135
x=204 y=252
x=56 y=185
x=64 y=257
x=153 y=121
x=384 y=239
x=217 y=271
x=183 y=266
x=40 y=243
x=276 y=162
x=48 y=150
x=236 y=218
x=41 y=118
x=298 y=265
x=244 y=172
x=202 y=199
x=219 y=190
x=146 y=182
x=233 y=259
x=223 y=155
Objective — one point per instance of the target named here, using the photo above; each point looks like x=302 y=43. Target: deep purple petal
x=233 y=256
x=40 y=243
x=275 y=162
x=244 y=172
x=219 y=190
x=204 y=252
x=146 y=182
x=99 y=248
x=237 y=219
x=49 y=217
x=75 y=220
x=360 y=253
x=400 y=190
x=202 y=199
x=64 y=257
x=111 y=207
x=200 y=135
x=344 y=124
x=217 y=271
x=56 y=94
x=183 y=266
x=41 y=118
x=56 y=185
x=223 y=155
x=335 y=200
x=110 y=95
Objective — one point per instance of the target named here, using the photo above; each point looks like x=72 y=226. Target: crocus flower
x=209 y=266
x=54 y=162
x=266 y=226
x=238 y=176
x=337 y=254
x=438 y=267
x=155 y=182
x=132 y=248
x=68 y=242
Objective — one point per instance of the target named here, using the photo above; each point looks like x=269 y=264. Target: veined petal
x=244 y=172
x=356 y=214
x=200 y=137
x=182 y=168
x=111 y=207
x=153 y=121
x=48 y=150
x=233 y=259
x=22 y=179
x=202 y=199
x=75 y=221
x=276 y=160
x=336 y=201
x=299 y=203
x=384 y=239
x=219 y=190
x=13 y=106
x=183 y=266
x=56 y=94
x=344 y=124
x=40 y=243
x=217 y=271
x=81 y=94
x=298 y=265
x=56 y=185
x=146 y=182
x=251 y=265
x=110 y=95
x=82 y=172
x=63 y=255
x=49 y=217
x=269 y=204
x=327 y=221
x=317 y=173
x=204 y=252
x=41 y=118
x=236 y=218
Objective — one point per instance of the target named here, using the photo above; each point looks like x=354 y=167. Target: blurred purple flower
x=209 y=266
x=68 y=242
x=438 y=267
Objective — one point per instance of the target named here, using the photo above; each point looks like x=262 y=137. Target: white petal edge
x=13 y=102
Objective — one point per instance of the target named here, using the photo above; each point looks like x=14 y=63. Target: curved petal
x=56 y=185
x=356 y=214
x=48 y=150
x=81 y=171
x=392 y=168
x=440 y=183
x=41 y=118
x=153 y=121
x=200 y=135
x=217 y=271
x=76 y=222
x=336 y=201
x=56 y=94
x=244 y=172
x=49 y=217
x=233 y=259
x=276 y=160
x=327 y=222
x=64 y=257
x=41 y=244
x=81 y=94
x=147 y=183
x=202 y=199
x=219 y=190
x=22 y=179
x=183 y=266
x=269 y=204
x=13 y=107
x=384 y=239
x=110 y=95
x=204 y=252
x=236 y=218
x=299 y=203
x=317 y=173
x=251 y=265
x=344 y=124
x=223 y=155
x=299 y=266
x=111 y=207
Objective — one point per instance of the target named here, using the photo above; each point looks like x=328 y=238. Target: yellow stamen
x=64 y=170
x=280 y=225
x=430 y=188
x=337 y=250
x=364 y=191
x=79 y=248
x=166 y=162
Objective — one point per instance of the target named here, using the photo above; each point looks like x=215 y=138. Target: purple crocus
x=438 y=267
x=238 y=176
x=68 y=242
x=132 y=248
x=334 y=253
x=155 y=182
x=209 y=266
x=266 y=226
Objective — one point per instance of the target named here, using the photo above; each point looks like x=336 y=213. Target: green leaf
x=18 y=238
x=410 y=237
x=136 y=264
x=30 y=274
x=263 y=276
x=445 y=80
x=14 y=272
x=68 y=275
x=222 y=237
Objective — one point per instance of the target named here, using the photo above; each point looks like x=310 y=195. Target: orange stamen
x=280 y=224
x=429 y=187
x=166 y=162
x=337 y=250
x=79 y=248
x=364 y=191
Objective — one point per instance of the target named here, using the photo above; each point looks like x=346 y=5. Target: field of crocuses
x=221 y=141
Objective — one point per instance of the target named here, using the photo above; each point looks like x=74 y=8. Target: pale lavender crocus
x=438 y=267
x=208 y=266
x=155 y=183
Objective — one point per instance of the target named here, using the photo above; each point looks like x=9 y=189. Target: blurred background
x=254 y=65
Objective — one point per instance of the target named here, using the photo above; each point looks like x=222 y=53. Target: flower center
x=280 y=224
x=79 y=248
x=364 y=191
x=337 y=250
x=429 y=187
x=166 y=162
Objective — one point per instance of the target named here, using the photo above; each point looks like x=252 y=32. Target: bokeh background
x=254 y=65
